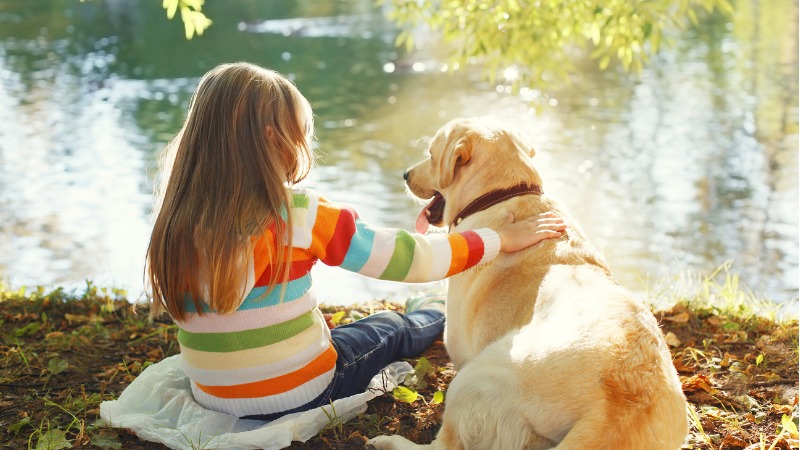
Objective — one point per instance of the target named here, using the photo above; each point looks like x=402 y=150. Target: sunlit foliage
x=532 y=40
x=194 y=21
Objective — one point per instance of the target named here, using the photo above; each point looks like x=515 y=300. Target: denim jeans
x=366 y=346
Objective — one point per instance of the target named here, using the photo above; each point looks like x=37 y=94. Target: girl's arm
x=341 y=238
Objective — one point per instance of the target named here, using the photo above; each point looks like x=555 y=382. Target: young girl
x=234 y=242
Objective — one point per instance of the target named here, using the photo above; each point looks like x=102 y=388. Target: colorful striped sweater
x=273 y=354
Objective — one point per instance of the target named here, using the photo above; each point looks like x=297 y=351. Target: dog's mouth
x=432 y=214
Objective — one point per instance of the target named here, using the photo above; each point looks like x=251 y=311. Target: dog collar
x=494 y=197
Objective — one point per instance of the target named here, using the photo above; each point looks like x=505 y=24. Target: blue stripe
x=360 y=247
x=294 y=290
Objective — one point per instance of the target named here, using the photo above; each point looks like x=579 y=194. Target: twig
x=774 y=382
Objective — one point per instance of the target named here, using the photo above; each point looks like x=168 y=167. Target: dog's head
x=467 y=158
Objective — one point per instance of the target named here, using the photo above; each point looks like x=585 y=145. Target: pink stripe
x=249 y=318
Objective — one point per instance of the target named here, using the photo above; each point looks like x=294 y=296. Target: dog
x=551 y=351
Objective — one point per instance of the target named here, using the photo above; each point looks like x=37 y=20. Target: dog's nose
x=405 y=175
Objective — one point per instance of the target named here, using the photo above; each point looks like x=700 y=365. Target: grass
x=62 y=354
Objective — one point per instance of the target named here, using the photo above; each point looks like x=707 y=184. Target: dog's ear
x=455 y=155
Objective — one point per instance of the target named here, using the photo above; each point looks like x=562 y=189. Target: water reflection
x=692 y=164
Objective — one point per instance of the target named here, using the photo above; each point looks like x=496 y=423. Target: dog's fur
x=551 y=351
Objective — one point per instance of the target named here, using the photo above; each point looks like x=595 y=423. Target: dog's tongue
x=432 y=214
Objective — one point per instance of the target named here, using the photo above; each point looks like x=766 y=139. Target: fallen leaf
x=405 y=394
x=336 y=318
x=698 y=383
x=53 y=440
x=678 y=318
x=106 y=440
x=75 y=318
x=732 y=442
x=716 y=321
x=57 y=365
x=770 y=376
x=681 y=366
x=672 y=340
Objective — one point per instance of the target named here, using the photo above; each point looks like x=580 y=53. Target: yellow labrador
x=551 y=351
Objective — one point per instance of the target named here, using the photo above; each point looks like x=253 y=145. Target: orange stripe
x=324 y=227
x=460 y=252
x=278 y=385
x=301 y=259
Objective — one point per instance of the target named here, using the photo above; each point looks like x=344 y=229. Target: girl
x=234 y=242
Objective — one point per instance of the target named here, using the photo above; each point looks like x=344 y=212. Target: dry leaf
x=781 y=409
x=731 y=442
x=698 y=383
x=681 y=366
x=678 y=318
x=75 y=318
x=54 y=335
x=672 y=340
x=716 y=321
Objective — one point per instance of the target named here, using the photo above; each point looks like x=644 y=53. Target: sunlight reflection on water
x=682 y=169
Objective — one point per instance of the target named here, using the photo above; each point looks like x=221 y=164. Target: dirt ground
x=62 y=354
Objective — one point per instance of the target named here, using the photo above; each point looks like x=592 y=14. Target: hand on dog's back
x=515 y=236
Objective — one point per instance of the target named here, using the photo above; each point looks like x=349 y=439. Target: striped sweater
x=273 y=354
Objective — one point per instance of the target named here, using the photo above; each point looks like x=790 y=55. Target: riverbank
x=63 y=353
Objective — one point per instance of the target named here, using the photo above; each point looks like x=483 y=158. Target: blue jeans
x=366 y=346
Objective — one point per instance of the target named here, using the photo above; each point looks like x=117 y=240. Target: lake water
x=687 y=166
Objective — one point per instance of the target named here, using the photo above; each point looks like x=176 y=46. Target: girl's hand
x=516 y=236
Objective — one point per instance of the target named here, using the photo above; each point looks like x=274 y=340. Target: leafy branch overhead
x=194 y=21
x=539 y=39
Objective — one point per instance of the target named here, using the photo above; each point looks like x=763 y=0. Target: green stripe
x=245 y=340
x=300 y=201
x=403 y=256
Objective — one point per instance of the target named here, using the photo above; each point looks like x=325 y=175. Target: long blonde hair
x=246 y=139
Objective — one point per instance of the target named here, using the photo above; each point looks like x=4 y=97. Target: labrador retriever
x=551 y=351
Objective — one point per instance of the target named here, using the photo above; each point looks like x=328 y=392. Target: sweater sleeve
x=341 y=238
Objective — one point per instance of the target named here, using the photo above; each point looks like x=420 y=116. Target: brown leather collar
x=494 y=197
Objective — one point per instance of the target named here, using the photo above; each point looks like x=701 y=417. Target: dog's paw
x=391 y=443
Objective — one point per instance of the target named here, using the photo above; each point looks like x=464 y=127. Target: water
x=683 y=168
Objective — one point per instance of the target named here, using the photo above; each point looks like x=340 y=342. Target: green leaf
x=788 y=425
x=107 y=439
x=423 y=367
x=188 y=24
x=197 y=5
x=53 y=440
x=57 y=365
x=30 y=328
x=405 y=394
x=201 y=22
x=336 y=317
x=171 y=6
x=730 y=326
x=15 y=428
x=438 y=397
x=759 y=360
